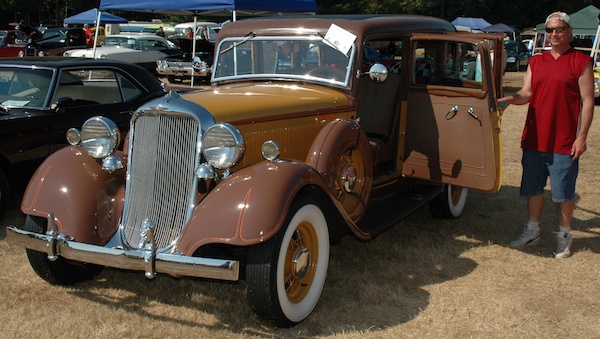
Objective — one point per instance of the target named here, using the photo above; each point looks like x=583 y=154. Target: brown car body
x=359 y=146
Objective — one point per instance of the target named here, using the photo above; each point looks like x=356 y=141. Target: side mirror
x=378 y=73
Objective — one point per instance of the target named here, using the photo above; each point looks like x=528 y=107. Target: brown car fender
x=249 y=207
x=84 y=199
x=341 y=150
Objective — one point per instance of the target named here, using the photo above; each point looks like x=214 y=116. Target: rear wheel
x=450 y=203
x=60 y=271
x=286 y=274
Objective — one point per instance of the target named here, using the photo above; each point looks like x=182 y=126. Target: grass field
x=424 y=278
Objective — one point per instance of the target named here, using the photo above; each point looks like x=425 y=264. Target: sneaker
x=528 y=237
x=563 y=245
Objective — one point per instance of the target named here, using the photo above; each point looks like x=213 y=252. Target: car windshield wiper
x=247 y=37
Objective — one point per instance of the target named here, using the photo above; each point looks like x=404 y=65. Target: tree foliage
x=520 y=14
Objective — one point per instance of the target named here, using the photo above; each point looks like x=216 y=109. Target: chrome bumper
x=149 y=261
x=181 y=72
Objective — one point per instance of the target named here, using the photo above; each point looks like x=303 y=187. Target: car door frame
x=452 y=134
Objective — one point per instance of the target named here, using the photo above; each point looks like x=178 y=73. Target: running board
x=389 y=211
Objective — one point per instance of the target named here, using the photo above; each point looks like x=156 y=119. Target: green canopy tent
x=584 y=22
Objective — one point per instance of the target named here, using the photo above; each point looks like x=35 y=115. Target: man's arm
x=523 y=95
x=586 y=90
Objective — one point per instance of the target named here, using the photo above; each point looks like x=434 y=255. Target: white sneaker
x=529 y=236
x=563 y=245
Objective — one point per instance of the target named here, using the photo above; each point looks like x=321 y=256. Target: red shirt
x=555 y=103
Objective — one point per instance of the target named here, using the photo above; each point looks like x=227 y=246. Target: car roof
x=60 y=62
x=135 y=35
x=358 y=24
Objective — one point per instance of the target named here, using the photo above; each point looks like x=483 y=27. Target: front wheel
x=450 y=203
x=60 y=271
x=286 y=274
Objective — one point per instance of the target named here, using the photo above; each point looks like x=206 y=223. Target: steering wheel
x=327 y=72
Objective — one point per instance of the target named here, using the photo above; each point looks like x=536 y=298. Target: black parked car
x=517 y=55
x=182 y=66
x=56 y=40
x=41 y=98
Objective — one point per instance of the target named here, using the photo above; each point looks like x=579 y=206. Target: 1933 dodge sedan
x=314 y=128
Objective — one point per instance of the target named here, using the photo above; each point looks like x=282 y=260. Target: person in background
x=204 y=33
x=189 y=33
x=559 y=87
x=88 y=35
x=160 y=31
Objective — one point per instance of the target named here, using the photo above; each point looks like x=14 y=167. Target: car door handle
x=471 y=112
x=452 y=113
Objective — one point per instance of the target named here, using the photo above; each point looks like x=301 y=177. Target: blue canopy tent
x=502 y=28
x=473 y=23
x=212 y=7
x=91 y=17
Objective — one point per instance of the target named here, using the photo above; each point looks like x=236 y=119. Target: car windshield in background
x=24 y=87
x=511 y=48
x=120 y=41
x=285 y=58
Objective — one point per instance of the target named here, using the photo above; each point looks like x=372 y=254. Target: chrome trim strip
x=61 y=245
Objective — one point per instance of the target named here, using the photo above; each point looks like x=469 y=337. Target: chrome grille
x=161 y=180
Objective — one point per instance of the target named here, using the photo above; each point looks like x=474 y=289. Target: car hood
x=89 y=52
x=262 y=101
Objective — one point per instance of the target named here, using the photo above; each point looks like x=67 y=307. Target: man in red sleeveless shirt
x=559 y=87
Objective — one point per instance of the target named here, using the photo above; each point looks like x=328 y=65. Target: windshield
x=20 y=87
x=121 y=41
x=282 y=57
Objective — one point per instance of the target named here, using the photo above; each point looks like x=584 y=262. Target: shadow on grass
x=370 y=285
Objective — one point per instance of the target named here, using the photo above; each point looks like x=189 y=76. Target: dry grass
x=425 y=278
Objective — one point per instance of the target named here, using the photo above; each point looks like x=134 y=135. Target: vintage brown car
x=314 y=128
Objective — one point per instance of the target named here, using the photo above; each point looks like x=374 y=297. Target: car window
x=93 y=87
x=152 y=44
x=24 y=87
x=124 y=42
x=387 y=52
x=447 y=64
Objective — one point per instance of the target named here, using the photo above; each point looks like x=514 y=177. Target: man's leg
x=565 y=213
x=534 y=207
x=564 y=237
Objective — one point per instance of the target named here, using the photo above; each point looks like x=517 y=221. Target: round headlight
x=99 y=136
x=41 y=54
x=222 y=146
x=73 y=136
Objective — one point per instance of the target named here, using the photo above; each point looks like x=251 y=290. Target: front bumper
x=183 y=72
x=149 y=261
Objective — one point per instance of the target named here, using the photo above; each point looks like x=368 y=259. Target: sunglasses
x=557 y=29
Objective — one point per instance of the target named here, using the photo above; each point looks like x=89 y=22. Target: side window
x=385 y=51
x=447 y=64
x=129 y=91
x=93 y=87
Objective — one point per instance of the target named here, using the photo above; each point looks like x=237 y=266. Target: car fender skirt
x=249 y=207
x=84 y=199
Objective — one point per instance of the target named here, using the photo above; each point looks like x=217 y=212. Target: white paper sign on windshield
x=340 y=38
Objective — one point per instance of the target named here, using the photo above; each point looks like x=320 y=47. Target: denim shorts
x=538 y=166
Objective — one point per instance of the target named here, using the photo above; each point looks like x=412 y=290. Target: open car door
x=452 y=128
